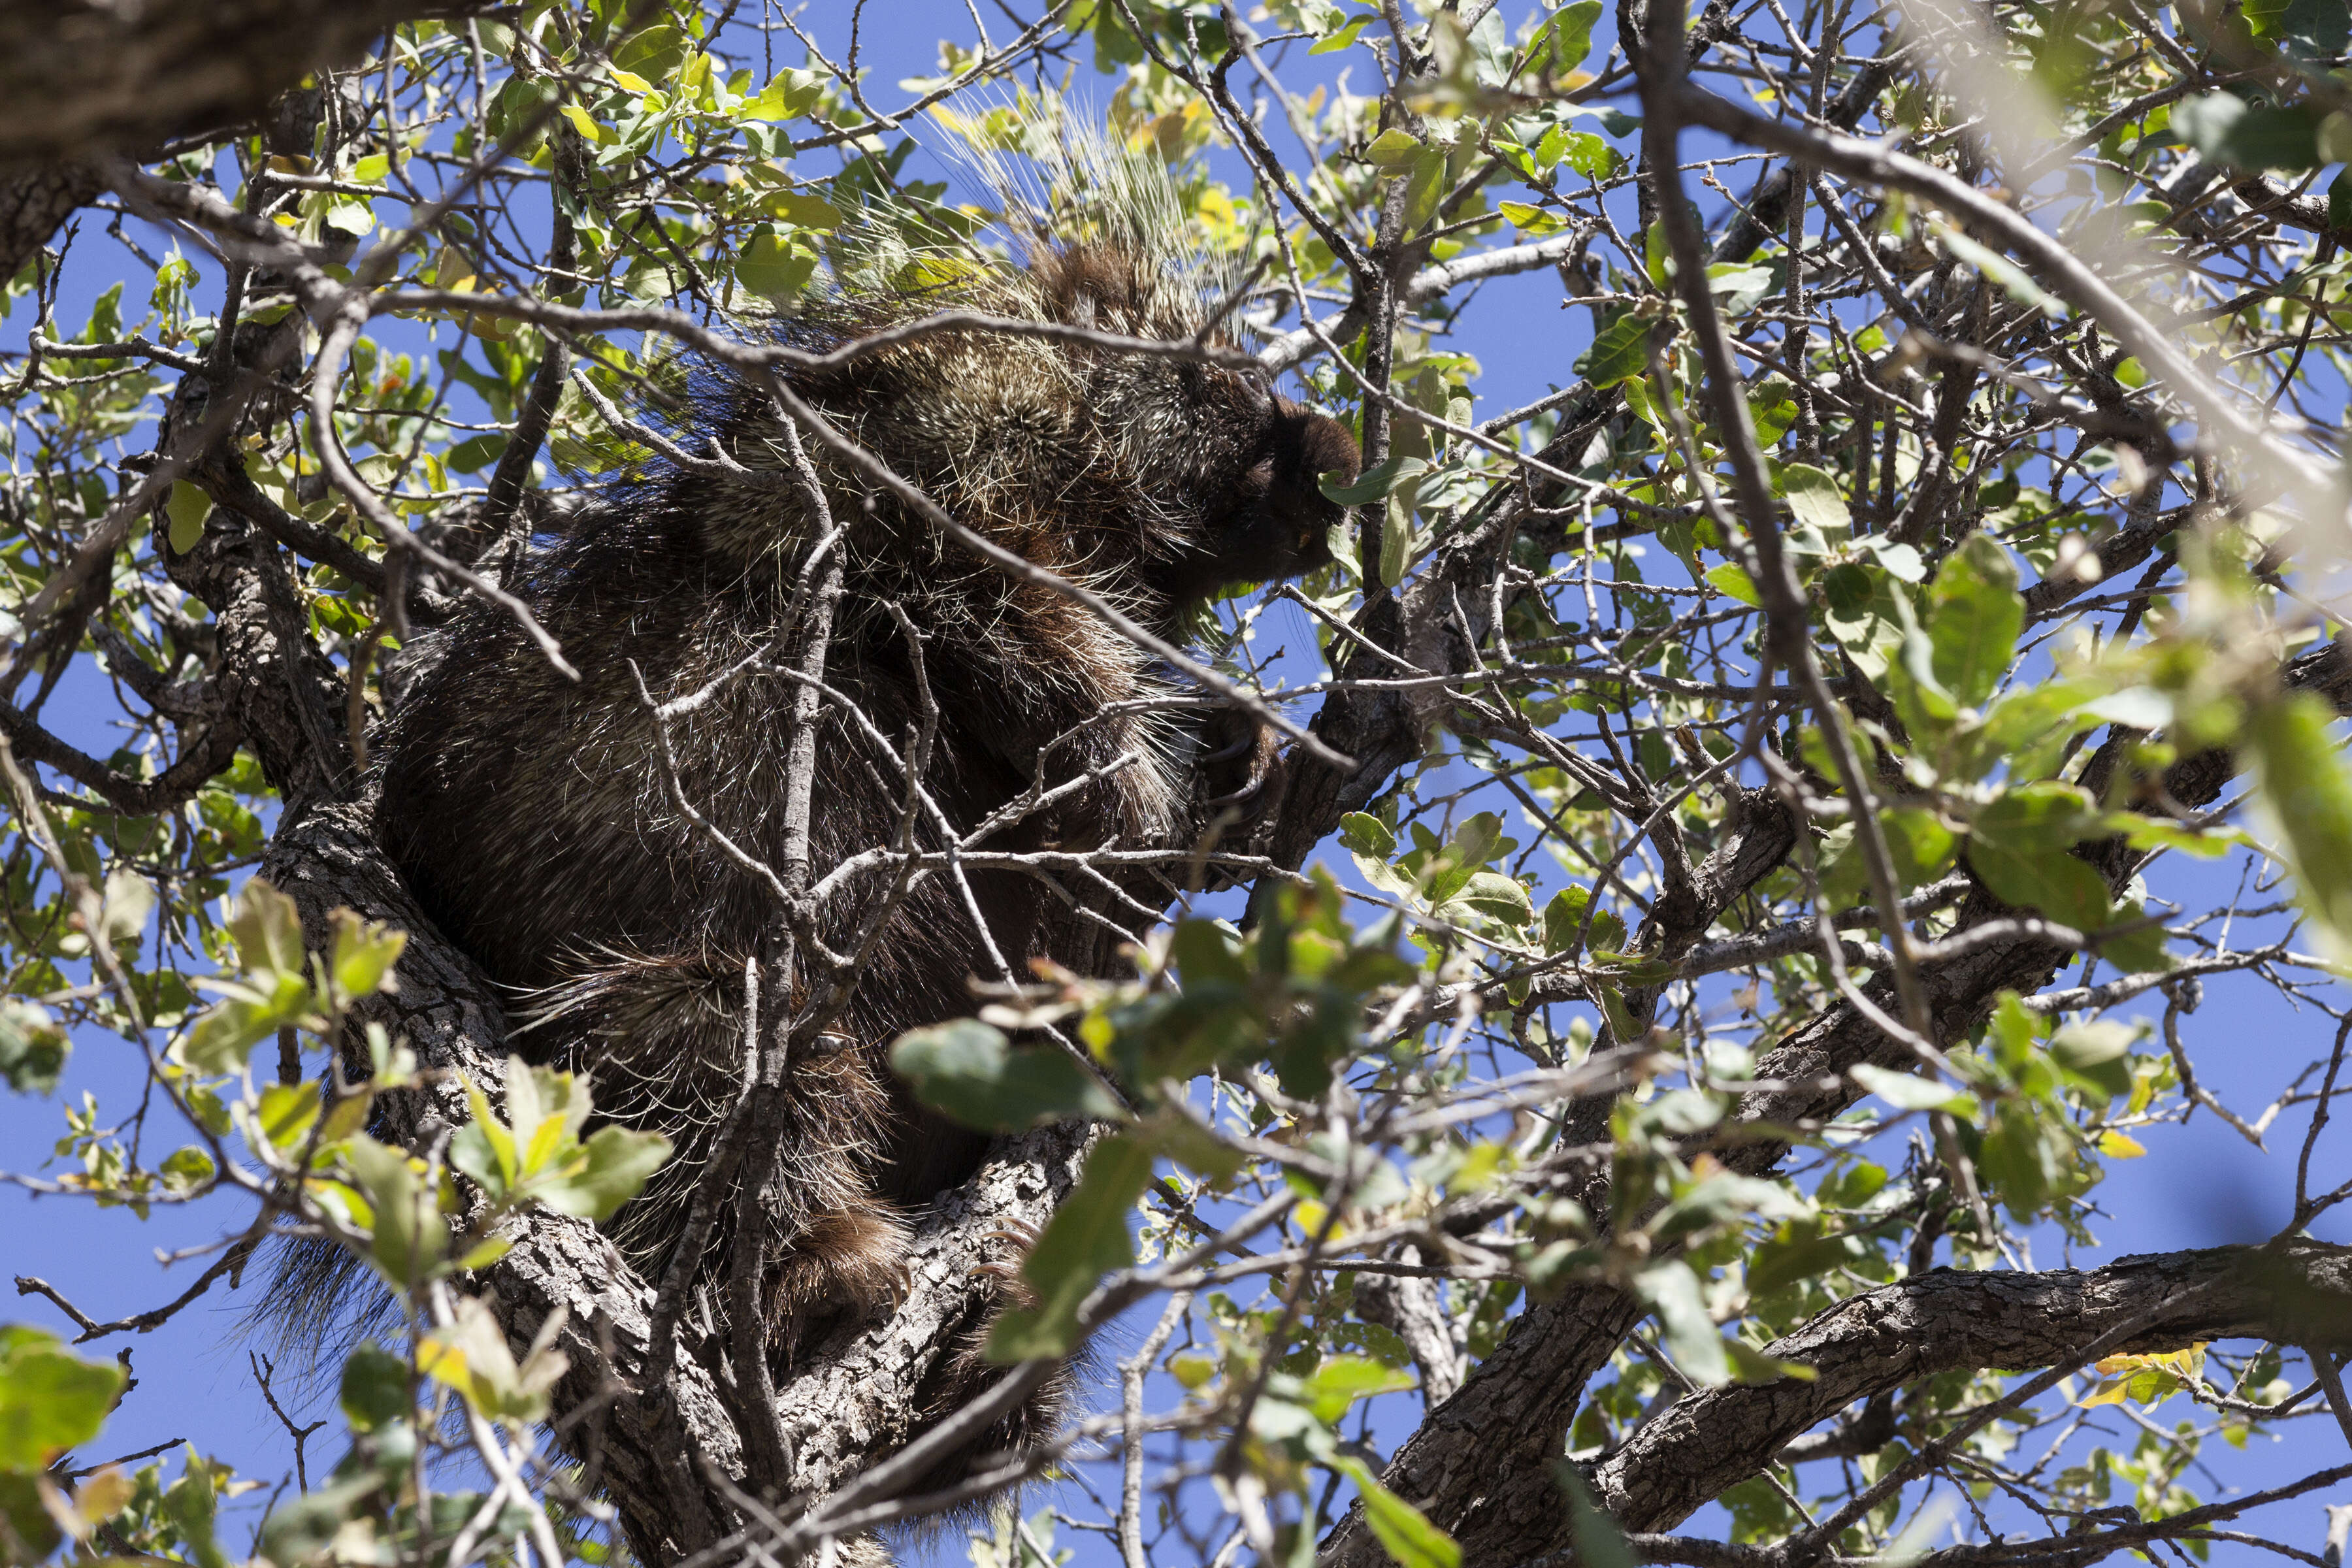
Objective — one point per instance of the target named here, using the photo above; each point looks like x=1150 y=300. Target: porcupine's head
x=1154 y=478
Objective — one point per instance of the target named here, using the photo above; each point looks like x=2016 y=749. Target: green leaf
x=1342 y=1380
x=1376 y=482
x=2226 y=129
x=1673 y=1292
x=772 y=265
x=970 y=1070
x=586 y=124
x=268 y=931
x=410 y=1237
x=51 y=1399
x=1780 y=1262
x=804 y=209
x=1403 y=1531
x=1619 y=351
x=1424 y=186
x=484 y=1149
x=1589 y=156
x=1396 y=530
x=374 y=1390
x=788 y=95
x=21 y=1506
x=534 y=1154
x=2097 y=1051
x=33 y=1047
x=1495 y=896
x=1918 y=844
x=362 y=954
x=1905 y=1091
x=475 y=453
x=1477 y=841
x=1345 y=38
x=2299 y=777
x=1532 y=221
x=1087 y=1238
x=1564 y=918
x=2162 y=832
x=1975 y=614
x=1567 y=36
x=1731 y=579
x=2135 y=707
x=1205 y=954
x=1751 y=1366
x=652 y=52
x=610 y=1169
x=187 y=508
x=2023 y=1159
x=1622 y=1029
x=1394 y=148
x=2018 y=847
x=1901 y=561
x=1363 y=834
x=2040 y=818
x=1813 y=497
x=471 y=1355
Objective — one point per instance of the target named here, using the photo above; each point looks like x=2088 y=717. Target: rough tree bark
x=1944 y=1320
x=78 y=78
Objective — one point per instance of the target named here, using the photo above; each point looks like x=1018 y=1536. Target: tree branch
x=80 y=76
x=1944 y=1320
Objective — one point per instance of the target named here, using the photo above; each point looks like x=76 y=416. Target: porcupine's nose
x=1308 y=447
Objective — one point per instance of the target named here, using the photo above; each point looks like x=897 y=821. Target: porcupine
x=534 y=818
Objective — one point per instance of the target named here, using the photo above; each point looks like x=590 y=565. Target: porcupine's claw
x=1227 y=754
x=1006 y=1272
x=1248 y=792
x=1239 y=771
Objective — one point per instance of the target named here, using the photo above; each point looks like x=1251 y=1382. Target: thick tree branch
x=211 y=749
x=1945 y=1321
x=78 y=77
x=34 y=202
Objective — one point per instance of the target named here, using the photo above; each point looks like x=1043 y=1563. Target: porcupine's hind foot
x=1239 y=778
x=663 y=1034
x=964 y=1371
x=845 y=1267
x=1239 y=765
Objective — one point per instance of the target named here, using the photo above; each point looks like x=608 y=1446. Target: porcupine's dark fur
x=532 y=818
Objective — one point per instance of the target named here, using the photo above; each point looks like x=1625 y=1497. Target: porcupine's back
x=537 y=822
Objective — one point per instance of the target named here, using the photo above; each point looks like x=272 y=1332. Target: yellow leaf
x=585 y=124
x=103 y=1494
x=452 y=271
x=443 y=1361
x=631 y=80
x=187 y=508
x=2116 y=1146
x=1192 y=1371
